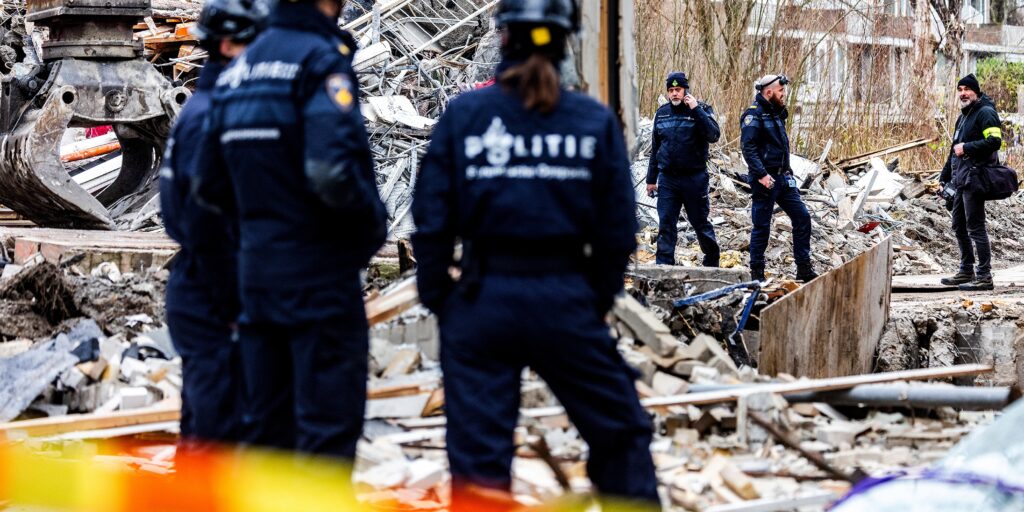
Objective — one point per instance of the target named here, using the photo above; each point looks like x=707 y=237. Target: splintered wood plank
x=81 y=422
x=392 y=303
x=831 y=326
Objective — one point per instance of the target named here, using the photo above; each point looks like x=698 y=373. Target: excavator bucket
x=90 y=73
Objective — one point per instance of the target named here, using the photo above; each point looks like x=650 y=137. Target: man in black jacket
x=765 y=146
x=976 y=144
x=683 y=129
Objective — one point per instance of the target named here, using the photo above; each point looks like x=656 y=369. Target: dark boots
x=757 y=273
x=982 y=283
x=961 y=277
x=805 y=272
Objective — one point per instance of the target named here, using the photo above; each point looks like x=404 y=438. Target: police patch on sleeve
x=747 y=120
x=340 y=89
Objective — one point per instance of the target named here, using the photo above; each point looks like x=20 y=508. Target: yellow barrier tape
x=217 y=480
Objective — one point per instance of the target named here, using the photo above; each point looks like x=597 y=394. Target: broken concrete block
x=686 y=368
x=398 y=407
x=73 y=378
x=94 y=369
x=749 y=431
x=648 y=329
x=403 y=362
x=388 y=475
x=666 y=385
x=642 y=364
x=424 y=474
x=706 y=348
x=132 y=368
x=841 y=433
x=90 y=397
x=704 y=375
x=738 y=481
x=686 y=437
x=134 y=398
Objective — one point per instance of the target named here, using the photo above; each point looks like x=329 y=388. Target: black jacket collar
x=208 y=76
x=770 y=107
x=306 y=17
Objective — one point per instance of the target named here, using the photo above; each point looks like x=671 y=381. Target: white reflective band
x=250 y=134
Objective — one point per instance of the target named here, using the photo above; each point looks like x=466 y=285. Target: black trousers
x=971 y=233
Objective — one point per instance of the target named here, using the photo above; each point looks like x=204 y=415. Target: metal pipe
x=923 y=396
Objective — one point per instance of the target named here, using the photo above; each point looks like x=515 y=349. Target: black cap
x=971 y=83
x=237 y=20
x=677 y=79
x=556 y=13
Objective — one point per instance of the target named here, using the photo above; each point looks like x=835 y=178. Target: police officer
x=289 y=157
x=683 y=129
x=766 y=151
x=976 y=142
x=202 y=291
x=535 y=182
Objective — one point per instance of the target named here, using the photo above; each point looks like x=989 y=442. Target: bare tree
x=952 y=45
x=923 y=64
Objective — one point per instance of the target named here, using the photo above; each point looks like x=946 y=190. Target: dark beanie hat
x=971 y=83
x=677 y=79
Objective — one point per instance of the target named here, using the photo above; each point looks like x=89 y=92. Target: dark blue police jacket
x=764 y=139
x=681 y=140
x=289 y=156
x=498 y=175
x=203 y=278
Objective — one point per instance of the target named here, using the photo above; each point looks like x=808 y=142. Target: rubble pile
x=415 y=55
x=846 y=221
x=706 y=455
x=77 y=343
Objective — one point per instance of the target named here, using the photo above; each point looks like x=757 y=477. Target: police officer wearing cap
x=202 y=291
x=766 y=150
x=289 y=158
x=683 y=129
x=534 y=181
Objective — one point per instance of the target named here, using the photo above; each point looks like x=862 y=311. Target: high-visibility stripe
x=992 y=132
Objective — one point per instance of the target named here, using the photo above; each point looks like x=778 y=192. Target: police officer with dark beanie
x=202 y=291
x=288 y=156
x=535 y=182
x=678 y=174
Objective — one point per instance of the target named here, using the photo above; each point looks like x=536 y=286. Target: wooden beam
x=859 y=160
x=79 y=422
x=831 y=326
x=393 y=303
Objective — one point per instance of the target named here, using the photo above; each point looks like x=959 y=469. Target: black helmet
x=237 y=20
x=558 y=13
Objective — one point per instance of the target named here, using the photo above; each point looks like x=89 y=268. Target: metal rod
x=922 y=396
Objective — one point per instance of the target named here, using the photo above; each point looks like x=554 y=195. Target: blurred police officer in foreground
x=766 y=151
x=535 y=182
x=202 y=291
x=289 y=157
x=683 y=130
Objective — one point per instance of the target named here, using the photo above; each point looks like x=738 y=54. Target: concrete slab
x=130 y=251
